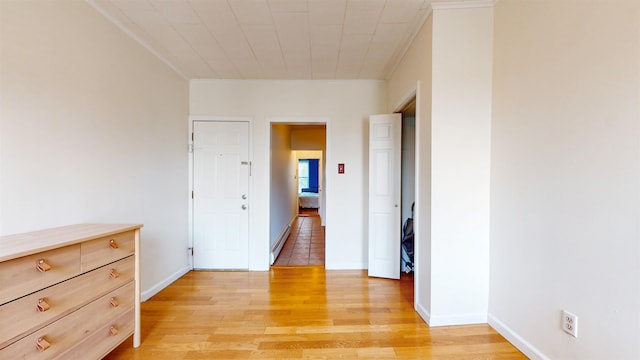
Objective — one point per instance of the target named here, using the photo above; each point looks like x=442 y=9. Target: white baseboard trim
x=147 y=294
x=463 y=319
x=518 y=341
x=424 y=314
x=458 y=319
x=277 y=246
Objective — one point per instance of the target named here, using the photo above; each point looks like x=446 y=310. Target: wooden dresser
x=71 y=292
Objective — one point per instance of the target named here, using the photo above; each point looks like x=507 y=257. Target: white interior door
x=221 y=195
x=384 y=195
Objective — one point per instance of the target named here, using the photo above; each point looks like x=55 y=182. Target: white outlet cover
x=570 y=323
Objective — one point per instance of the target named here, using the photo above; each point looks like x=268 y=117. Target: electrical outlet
x=569 y=323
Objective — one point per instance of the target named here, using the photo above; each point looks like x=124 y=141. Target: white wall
x=565 y=188
x=346 y=105
x=413 y=74
x=461 y=135
x=452 y=60
x=284 y=196
x=310 y=137
x=92 y=129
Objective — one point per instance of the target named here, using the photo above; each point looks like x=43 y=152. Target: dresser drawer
x=30 y=273
x=70 y=330
x=102 y=251
x=105 y=339
x=22 y=316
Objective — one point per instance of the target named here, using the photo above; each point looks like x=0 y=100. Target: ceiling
x=272 y=39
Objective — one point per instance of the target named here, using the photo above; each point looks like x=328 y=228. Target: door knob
x=244 y=196
x=244 y=207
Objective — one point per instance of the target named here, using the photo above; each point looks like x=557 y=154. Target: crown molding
x=463 y=4
x=428 y=11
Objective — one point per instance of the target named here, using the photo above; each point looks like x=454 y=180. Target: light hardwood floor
x=299 y=313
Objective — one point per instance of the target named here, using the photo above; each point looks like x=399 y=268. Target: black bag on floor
x=407 y=243
x=407 y=237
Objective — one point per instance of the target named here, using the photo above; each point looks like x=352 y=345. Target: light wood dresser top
x=15 y=246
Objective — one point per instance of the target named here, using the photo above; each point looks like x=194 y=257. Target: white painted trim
x=279 y=244
x=422 y=311
x=190 y=189
x=406 y=99
x=462 y=4
x=458 y=319
x=418 y=284
x=135 y=37
x=193 y=118
x=327 y=154
x=516 y=340
x=147 y=294
x=297 y=120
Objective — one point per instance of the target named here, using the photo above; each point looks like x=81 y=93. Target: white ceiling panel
x=288 y=6
x=327 y=12
x=129 y=5
x=293 y=31
x=262 y=37
x=362 y=16
x=273 y=39
x=176 y=11
x=224 y=68
x=216 y=15
x=325 y=35
x=109 y=8
x=251 y=12
x=402 y=11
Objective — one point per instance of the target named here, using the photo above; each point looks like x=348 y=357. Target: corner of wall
x=149 y=293
x=516 y=340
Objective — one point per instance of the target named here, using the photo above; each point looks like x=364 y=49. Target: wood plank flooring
x=299 y=313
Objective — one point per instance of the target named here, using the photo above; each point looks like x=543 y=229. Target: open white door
x=221 y=198
x=384 y=195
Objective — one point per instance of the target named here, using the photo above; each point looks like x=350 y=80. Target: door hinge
x=192 y=137
x=247 y=163
x=192 y=195
x=190 y=250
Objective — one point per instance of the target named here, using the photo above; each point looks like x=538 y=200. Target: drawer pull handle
x=113 y=331
x=114 y=274
x=114 y=302
x=113 y=244
x=42 y=266
x=42 y=305
x=42 y=344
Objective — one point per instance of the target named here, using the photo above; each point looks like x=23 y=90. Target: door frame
x=414 y=93
x=327 y=158
x=192 y=119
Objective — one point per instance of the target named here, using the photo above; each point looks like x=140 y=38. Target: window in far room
x=308 y=175
x=303 y=174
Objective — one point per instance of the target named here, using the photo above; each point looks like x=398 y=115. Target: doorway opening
x=297 y=194
x=408 y=187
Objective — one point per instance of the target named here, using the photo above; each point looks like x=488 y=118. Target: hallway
x=305 y=245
